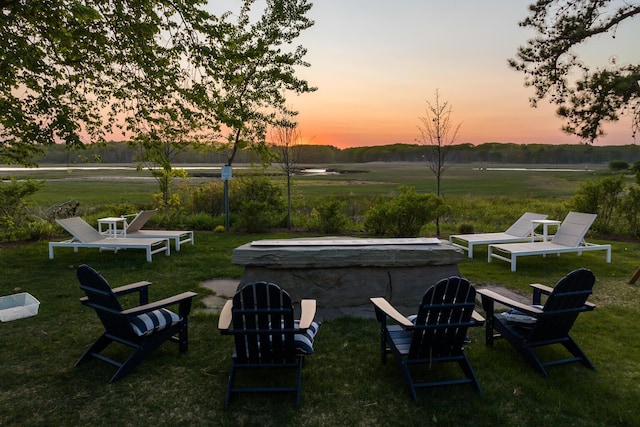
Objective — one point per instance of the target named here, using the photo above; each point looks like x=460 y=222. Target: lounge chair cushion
x=304 y=340
x=517 y=316
x=148 y=323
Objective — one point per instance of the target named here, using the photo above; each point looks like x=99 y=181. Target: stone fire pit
x=343 y=273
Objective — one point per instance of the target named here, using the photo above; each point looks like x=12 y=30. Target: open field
x=126 y=185
x=344 y=382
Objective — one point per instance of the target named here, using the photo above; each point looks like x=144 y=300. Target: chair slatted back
x=80 y=229
x=522 y=227
x=101 y=298
x=263 y=324
x=573 y=229
x=140 y=220
x=443 y=318
x=563 y=305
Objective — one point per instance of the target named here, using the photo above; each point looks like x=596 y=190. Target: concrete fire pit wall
x=343 y=276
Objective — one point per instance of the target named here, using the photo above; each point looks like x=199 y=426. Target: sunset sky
x=376 y=63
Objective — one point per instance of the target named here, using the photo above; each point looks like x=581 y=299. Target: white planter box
x=18 y=306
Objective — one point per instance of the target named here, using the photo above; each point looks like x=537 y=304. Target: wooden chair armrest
x=176 y=299
x=542 y=288
x=477 y=317
x=538 y=291
x=527 y=309
x=384 y=306
x=307 y=312
x=130 y=288
x=141 y=287
x=224 y=321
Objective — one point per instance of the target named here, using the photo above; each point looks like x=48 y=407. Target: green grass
x=368 y=180
x=344 y=382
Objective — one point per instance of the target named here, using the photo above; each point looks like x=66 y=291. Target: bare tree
x=437 y=131
x=285 y=137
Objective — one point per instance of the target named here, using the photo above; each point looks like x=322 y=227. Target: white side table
x=545 y=227
x=116 y=226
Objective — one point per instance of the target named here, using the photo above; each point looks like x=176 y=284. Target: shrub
x=37 y=230
x=13 y=213
x=630 y=207
x=201 y=221
x=601 y=197
x=405 y=214
x=618 y=165
x=377 y=218
x=258 y=204
x=635 y=168
x=329 y=217
x=208 y=197
x=465 y=228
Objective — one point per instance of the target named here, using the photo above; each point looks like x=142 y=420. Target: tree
x=65 y=64
x=437 y=131
x=157 y=156
x=285 y=139
x=586 y=98
x=251 y=66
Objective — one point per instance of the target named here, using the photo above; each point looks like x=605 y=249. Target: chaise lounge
x=520 y=231
x=85 y=236
x=134 y=230
x=569 y=238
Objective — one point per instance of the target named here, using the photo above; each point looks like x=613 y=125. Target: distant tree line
x=116 y=152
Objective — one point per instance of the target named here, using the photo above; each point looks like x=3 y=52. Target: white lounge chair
x=568 y=238
x=85 y=236
x=134 y=229
x=520 y=231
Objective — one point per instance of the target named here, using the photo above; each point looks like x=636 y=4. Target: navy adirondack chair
x=142 y=328
x=436 y=334
x=261 y=319
x=527 y=327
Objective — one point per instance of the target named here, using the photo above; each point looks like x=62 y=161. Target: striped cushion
x=154 y=321
x=304 y=340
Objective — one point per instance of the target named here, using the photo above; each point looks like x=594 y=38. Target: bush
x=618 y=165
x=601 y=197
x=465 y=229
x=37 y=230
x=635 y=168
x=258 y=204
x=405 y=214
x=208 y=197
x=329 y=217
x=13 y=212
x=630 y=207
x=201 y=221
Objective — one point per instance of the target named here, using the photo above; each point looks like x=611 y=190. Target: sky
x=376 y=64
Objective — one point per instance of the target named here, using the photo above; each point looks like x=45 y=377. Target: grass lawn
x=344 y=382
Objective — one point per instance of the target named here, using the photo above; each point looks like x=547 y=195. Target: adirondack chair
x=261 y=318
x=142 y=328
x=436 y=334
x=527 y=327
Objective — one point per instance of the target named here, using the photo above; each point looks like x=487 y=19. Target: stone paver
x=224 y=289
